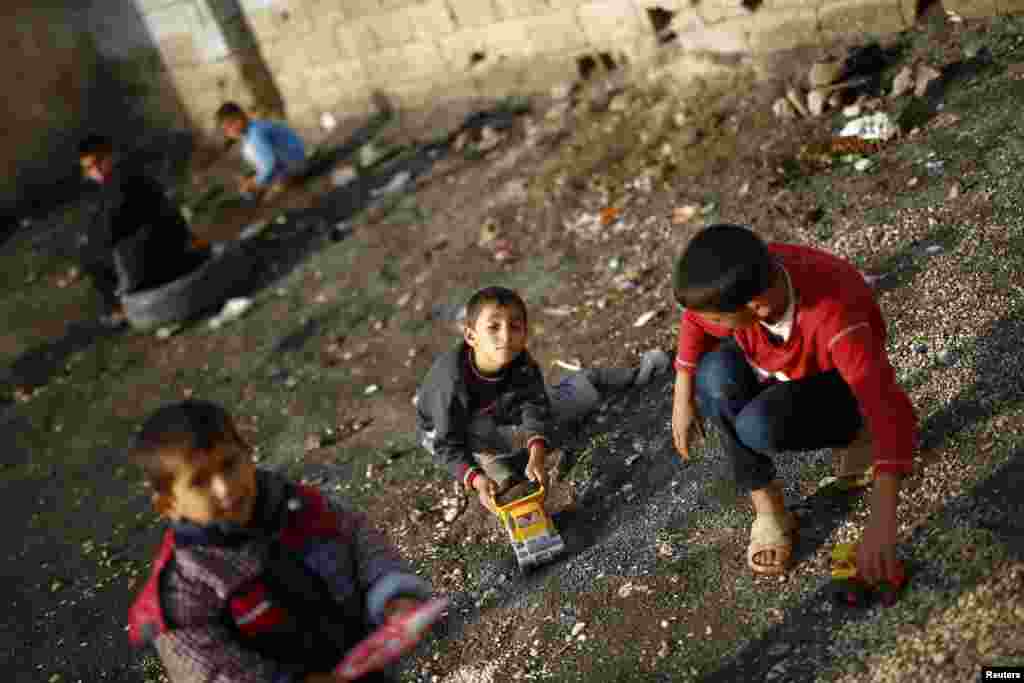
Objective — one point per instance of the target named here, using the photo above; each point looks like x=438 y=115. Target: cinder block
x=844 y=18
x=514 y=9
x=971 y=9
x=473 y=13
x=548 y=70
x=327 y=12
x=357 y=37
x=345 y=80
x=782 y=29
x=725 y=38
x=388 y=5
x=321 y=47
x=714 y=11
x=279 y=19
x=430 y=20
x=405 y=63
x=508 y=39
x=554 y=33
x=391 y=28
x=608 y=21
x=179 y=50
x=786 y=4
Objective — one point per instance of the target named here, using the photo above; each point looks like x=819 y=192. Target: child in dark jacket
x=484 y=412
x=138 y=238
x=258 y=580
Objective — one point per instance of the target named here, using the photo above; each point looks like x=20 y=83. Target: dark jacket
x=443 y=405
x=138 y=223
x=269 y=603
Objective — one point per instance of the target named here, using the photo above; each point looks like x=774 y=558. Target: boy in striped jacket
x=258 y=580
x=782 y=348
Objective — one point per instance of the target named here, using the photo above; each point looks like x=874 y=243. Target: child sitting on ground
x=137 y=239
x=483 y=410
x=782 y=347
x=258 y=579
x=273 y=149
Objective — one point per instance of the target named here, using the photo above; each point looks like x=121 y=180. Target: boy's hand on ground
x=686 y=423
x=876 y=553
x=486 y=490
x=536 y=468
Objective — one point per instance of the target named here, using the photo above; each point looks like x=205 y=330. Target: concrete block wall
x=304 y=57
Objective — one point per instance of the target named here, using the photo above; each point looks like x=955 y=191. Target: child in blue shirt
x=273 y=149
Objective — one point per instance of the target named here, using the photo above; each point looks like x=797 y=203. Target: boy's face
x=233 y=128
x=767 y=307
x=97 y=167
x=497 y=337
x=222 y=488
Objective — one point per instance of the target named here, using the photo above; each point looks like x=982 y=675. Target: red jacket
x=837 y=325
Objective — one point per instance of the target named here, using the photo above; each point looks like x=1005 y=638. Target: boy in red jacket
x=782 y=347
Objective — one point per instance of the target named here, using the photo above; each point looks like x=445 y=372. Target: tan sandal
x=772 y=532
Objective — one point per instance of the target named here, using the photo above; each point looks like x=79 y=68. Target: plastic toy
x=850 y=589
x=397 y=636
x=534 y=537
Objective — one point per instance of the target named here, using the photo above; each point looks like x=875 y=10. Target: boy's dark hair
x=499 y=296
x=722 y=269
x=229 y=111
x=189 y=429
x=95 y=144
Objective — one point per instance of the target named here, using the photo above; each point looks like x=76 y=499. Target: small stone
x=825 y=72
x=646 y=318
x=341 y=177
x=370 y=471
x=793 y=95
x=954 y=192
x=816 y=102
x=862 y=164
x=925 y=75
x=626 y=590
x=313 y=442
x=851 y=111
x=783 y=109
x=578 y=628
x=450 y=514
x=903 y=82
x=403 y=300
x=372 y=389
x=913 y=181
x=939 y=658
x=663 y=650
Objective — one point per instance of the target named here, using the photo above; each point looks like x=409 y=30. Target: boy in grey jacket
x=483 y=410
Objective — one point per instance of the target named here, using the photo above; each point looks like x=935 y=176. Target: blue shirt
x=273 y=148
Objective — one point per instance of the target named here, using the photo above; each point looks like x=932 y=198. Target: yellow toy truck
x=534 y=537
x=849 y=588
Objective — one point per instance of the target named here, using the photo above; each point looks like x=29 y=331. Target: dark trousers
x=757 y=420
x=104 y=279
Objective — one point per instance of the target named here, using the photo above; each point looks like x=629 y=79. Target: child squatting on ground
x=258 y=580
x=273 y=149
x=483 y=410
x=137 y=239
x=782 y=348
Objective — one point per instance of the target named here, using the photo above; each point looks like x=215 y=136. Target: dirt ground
x=359 y=289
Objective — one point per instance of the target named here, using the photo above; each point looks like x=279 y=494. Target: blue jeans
x=759 y=420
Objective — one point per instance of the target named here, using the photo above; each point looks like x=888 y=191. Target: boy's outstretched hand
x=876 y=553
x=685 y=421
x=486 y=490
x=536 y=468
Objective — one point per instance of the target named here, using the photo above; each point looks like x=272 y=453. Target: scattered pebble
x=372 y=389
